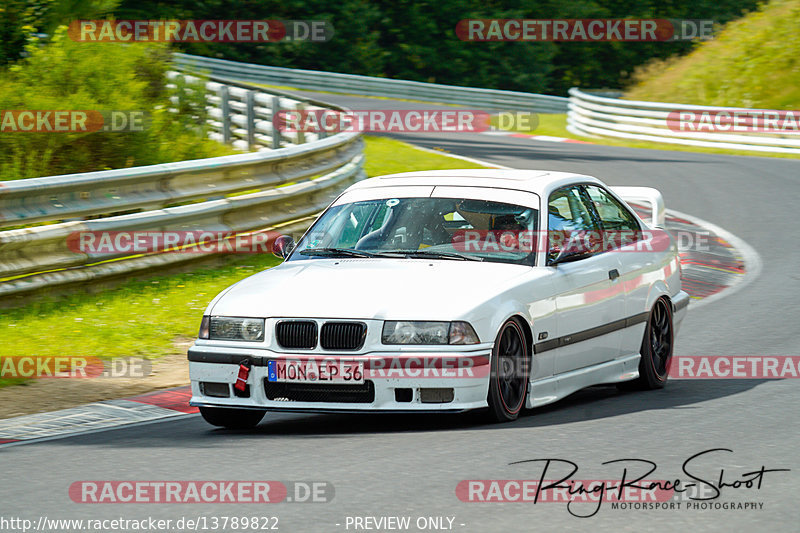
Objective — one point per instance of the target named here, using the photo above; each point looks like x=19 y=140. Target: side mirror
x=283 y=246
x=565 y=255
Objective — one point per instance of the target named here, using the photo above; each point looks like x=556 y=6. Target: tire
x=657 y=344
x=232 y=418
x=508 y=380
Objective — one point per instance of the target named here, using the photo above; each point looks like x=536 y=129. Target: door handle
x=613 y=274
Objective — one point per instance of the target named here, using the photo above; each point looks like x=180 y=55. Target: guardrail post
x=251 y=120
x=301 y=136
x=224 y=97
x=322 y=133
x=276 y=132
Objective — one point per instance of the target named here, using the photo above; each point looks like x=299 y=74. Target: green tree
x=69 y=75
x=18 y=18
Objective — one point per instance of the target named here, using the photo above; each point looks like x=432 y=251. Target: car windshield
x=426 y=228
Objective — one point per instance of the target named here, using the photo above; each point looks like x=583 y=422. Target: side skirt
x=551 y=389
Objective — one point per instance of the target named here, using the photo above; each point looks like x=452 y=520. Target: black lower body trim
x=225 y=358
x=317 y=392
x=590 y=333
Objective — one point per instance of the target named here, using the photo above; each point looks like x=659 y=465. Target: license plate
x=320 y=371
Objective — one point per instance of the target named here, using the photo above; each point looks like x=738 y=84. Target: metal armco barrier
x=313 y=80
x=243 y=115
x=242 y=193
x=156 y=186
x=45 y=255
x=601 y=116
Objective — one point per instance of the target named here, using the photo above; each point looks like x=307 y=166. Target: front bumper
x=427 y=381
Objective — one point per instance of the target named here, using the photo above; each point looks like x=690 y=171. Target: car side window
x=566 y=211
x=568 y=218
x=613 y=215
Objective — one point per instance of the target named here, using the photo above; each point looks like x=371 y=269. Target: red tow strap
x=244 y=372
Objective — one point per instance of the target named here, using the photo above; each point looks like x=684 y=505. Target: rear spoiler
x=648 y=195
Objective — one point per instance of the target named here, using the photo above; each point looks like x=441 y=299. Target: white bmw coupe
x=448 y=291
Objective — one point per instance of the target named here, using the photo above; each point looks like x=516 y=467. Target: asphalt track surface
x=401 y=465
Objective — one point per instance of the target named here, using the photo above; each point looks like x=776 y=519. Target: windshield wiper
x=425 y=254
x=350 y=252
x=343 y=252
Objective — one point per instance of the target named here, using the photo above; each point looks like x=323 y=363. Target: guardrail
x=156 y=186
x=249 y=192
x=243 y=115
x=602 y=116
x=489 y=99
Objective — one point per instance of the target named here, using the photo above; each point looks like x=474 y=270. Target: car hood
x=403 y=289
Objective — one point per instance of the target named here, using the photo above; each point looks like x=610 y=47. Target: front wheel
x=508 y=381
x=232 y=418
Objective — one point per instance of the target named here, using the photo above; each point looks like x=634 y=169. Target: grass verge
x=388 y=156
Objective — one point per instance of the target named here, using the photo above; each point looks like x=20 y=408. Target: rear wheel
x=508 y=382
x=656 y=349
x=232 y=418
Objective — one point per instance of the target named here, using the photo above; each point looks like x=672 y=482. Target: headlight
x=236 y=329
x=400 y=332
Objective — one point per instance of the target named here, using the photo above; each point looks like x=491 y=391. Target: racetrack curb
x=96 y=417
